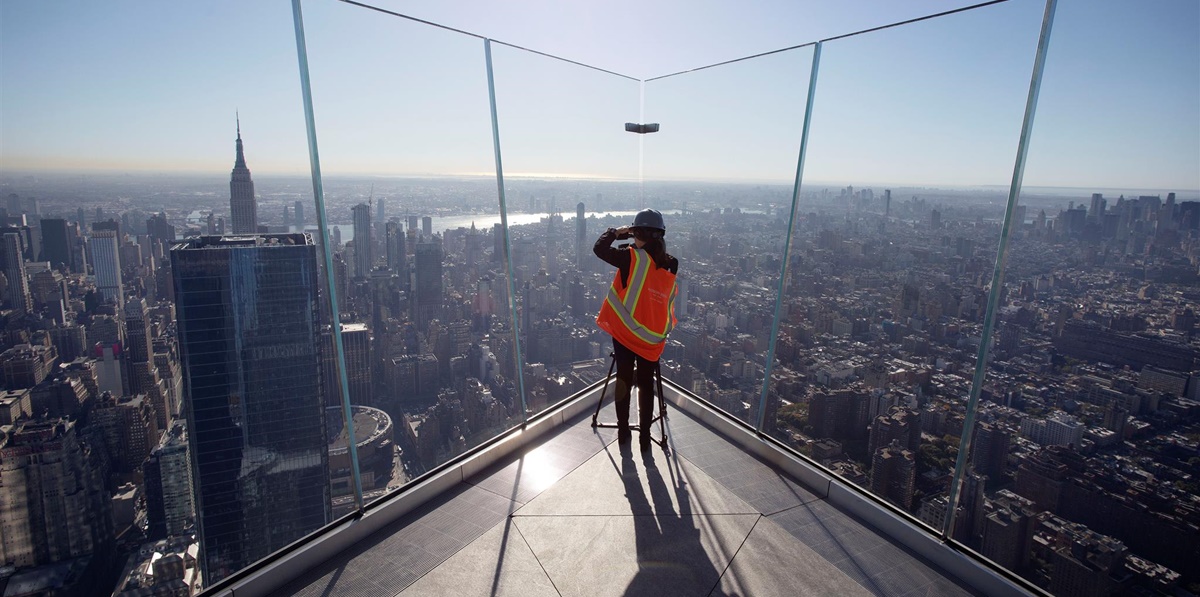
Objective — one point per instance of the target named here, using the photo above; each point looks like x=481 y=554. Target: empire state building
x=242 y=207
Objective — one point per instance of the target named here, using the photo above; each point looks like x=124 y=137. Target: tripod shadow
x=670 y=555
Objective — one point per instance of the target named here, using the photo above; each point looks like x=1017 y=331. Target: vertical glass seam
x=641 y=146
x=512 y=290
x=787 y=244
x=326 y=251
x=989 y=318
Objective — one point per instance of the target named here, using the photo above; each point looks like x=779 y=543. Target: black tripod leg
x=662 y=404
x=608 y=377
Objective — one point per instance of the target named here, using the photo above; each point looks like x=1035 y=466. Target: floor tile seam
x=718 y=480
x=713 y=437
x=465 y=545
x=794 y=506
x=536 y=558
x=511 y=499
x=853 y=557
x=694 y=515
x=409 y=545
x=729 y=563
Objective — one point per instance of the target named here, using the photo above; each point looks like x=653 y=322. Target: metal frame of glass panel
x=989 y=318
x=787 y=244
x=512 y=289
x=326 y=250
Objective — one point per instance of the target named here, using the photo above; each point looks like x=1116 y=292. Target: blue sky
x=141 y=85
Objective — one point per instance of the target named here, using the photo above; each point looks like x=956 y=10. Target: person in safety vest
x=639 y=312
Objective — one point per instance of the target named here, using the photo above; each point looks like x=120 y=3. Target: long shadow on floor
x=670 y=555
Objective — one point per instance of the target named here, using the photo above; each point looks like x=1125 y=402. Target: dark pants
x=626 y=359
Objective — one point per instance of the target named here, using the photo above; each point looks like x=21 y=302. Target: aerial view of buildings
x=195 y=375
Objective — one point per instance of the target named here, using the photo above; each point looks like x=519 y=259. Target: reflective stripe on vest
x=638 y=271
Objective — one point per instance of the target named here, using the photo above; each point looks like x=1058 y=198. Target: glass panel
x=722 y=169
x=565 y=151
x=910 y=151
x=1087 y=430
x=113 y=153
x=409 y=181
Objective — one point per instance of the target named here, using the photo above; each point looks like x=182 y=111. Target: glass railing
x=1086 y=412
x=569 y=171
x=429 y=353
x=892 y=247
x=849 y=215
x=721 y=169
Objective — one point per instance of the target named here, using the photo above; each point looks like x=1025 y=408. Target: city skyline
x=882 y=314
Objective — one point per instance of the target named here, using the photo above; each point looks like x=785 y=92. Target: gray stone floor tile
x=751 y=479
x=635 y=556
x=942 y=587
x=497 y=563
x=772 y=562
x=624 y=481
x=587 y=520
x=902 y=579
x=395 y=556
x=522 y=477
x=879 y=564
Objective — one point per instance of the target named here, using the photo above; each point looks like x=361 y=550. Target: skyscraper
x=380 y=226
x=141 y=370
x=356 y=343
x=893 y=473
x=989 y=451
x=428 y=258
x=497 y=243
x=158 y=228
x=362 y=240
x=168 y=483
x=53 y=504
x=298 y=214
x=138 y=347
x=247 y=319
x=103 y=247
x=580 y=236
x=396 y=260
x=242 y=207
x=130 y=429
x=12 y=264
x=56 y=248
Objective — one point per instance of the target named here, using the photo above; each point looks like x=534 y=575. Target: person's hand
x=624 y=232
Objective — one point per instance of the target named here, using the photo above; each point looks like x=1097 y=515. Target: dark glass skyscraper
x=362 y=240
x=242 y=207
x=247 y=314
x=428 y=265
x=12 y=264
x=396 y=259
x=581 y=243
x=56 y=245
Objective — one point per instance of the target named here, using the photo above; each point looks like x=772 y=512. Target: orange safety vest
x=641 y=313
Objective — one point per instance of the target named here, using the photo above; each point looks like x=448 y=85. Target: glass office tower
x=248 y=331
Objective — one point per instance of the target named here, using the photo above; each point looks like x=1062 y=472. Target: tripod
x=662 y=404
